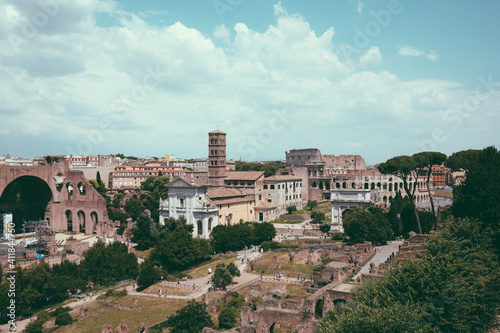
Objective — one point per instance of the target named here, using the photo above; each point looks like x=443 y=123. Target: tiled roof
x=231 y=200
x=265 y=204
x=244 y=175
x=224 y=193
x=279 y=178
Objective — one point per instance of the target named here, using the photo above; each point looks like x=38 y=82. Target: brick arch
x=54 y=171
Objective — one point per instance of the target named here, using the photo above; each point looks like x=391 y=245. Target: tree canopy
x=269 y=168
x=363 y=224
x=192 y=318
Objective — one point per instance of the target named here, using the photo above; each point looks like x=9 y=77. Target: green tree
x=192 y=318
x=222 y=277
x=325 y=228
x=317 y=216
x=425 y=161
x=263 y=231
x=478 y=196
x=233 y=270
x=367 y=225
x=147 y=275
x=291 y=209
x=177 y=250
x=311 y=204
x=453 y=287
x=134 y=207
x=404 y=167
x=227 y=318
x=145 y=233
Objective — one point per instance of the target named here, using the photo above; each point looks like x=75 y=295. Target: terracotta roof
x=217 y=131
x=265 y=204
x=224 y=193
x=231 y=201
x=279 y=178
x=244 y=175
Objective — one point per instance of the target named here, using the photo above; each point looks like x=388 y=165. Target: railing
x=181 y=285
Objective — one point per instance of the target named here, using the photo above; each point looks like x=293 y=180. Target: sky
x=377 y=78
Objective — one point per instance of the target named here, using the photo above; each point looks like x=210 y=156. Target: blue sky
x=149 y=78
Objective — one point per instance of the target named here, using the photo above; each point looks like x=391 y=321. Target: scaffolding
x=38 y=234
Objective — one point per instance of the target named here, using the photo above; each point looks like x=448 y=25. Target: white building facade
x=190 y=201
x=283 y=191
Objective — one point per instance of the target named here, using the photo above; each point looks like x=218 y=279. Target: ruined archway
x=26 y=197
x=69 y=220
x=95 y=220
x=318 y=308
x=81 y=221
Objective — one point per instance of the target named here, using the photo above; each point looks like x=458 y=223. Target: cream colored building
x=233 y=206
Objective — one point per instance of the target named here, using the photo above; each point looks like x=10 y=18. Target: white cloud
x=221 y=32
x=372 y=57
x=145 y=89
x=410 y=51
x=359 y=4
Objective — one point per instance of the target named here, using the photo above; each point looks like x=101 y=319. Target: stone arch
x=395 y=187
x=339 y=301
x=390 y=187
x=372 y=186
x=337 y=185
x=69 y=220
x=27 y=197
x=81 y=220
x=327 y=186
x=95 y=220
x=385 y=200
x=379 y=185
x=69 y=190
x=318 y=308
x=344 y=185
x=366 y=186
x=199 y=226
x=353 y=185
x=320 y=185
x=82 y=190
x=314 y=184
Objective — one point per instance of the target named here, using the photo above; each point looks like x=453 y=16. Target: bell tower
x=216 y=158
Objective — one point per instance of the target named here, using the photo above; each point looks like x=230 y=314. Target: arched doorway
x=69 y=220
x=95 y=220
x=26 y=197
x=81 y=221
x=318 y=308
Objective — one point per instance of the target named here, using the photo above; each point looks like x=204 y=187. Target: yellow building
x=233 y=205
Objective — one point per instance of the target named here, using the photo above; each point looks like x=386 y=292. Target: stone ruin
x=106 y=305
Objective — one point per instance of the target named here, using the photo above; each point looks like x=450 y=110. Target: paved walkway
x=383 y=253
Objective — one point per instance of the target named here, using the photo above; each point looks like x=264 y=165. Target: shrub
x=227 y=318
x=64 y=319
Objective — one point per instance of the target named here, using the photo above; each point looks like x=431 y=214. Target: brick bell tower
x=216 y=158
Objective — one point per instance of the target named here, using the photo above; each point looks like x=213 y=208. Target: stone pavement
x=383 y=253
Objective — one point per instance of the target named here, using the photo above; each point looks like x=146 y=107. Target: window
x=272 y=187
x=265 y=187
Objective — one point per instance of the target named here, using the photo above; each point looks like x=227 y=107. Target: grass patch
x=170 y=290
x=140 y=254
x=323 y=207
x=444 y=194
x=151 y=310
x=285 y=222
x=199 y=271
x=267 y=266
